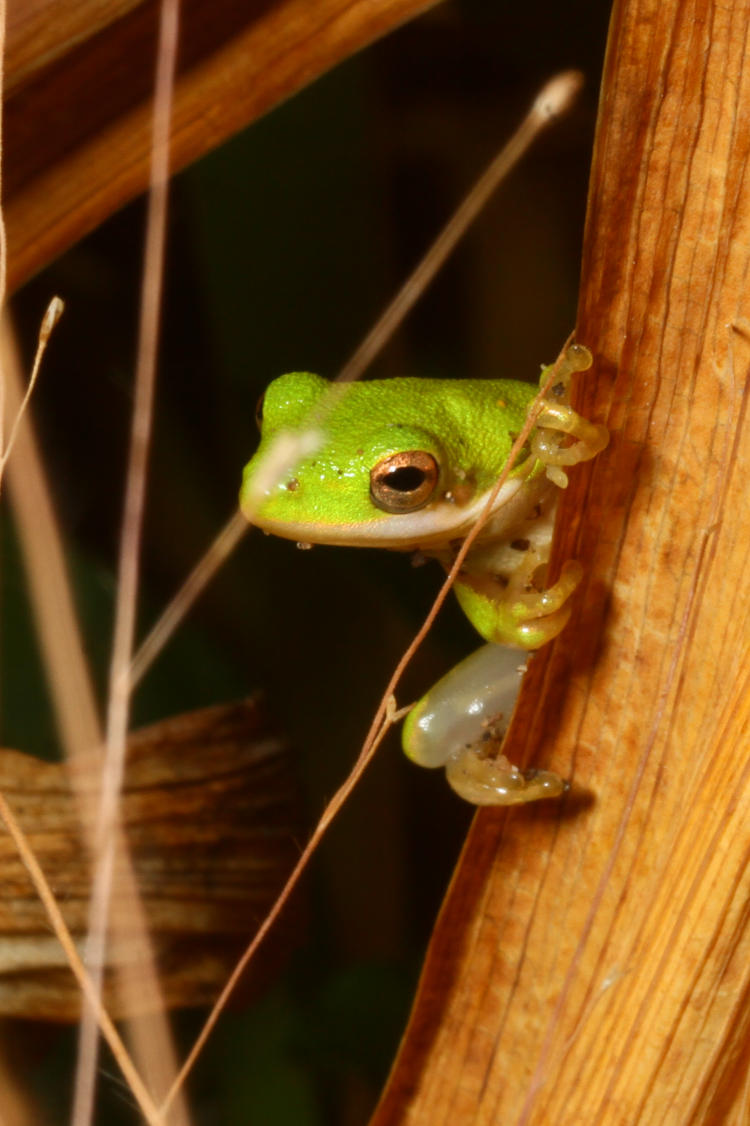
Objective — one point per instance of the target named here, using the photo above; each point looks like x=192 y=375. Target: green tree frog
x=408 y=464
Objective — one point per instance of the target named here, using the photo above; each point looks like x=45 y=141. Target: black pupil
x=407 y=479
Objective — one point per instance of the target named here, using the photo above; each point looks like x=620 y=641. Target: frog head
x=401 y=463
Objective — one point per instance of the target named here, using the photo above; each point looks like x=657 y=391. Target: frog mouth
x=426 y=528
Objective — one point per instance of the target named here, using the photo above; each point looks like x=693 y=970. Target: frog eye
x=405 y=481
x=259 y=411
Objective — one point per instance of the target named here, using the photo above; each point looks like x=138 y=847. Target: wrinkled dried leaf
x=211 y=811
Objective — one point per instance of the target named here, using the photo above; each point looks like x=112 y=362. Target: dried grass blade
x=62 y=649
x=108 y=833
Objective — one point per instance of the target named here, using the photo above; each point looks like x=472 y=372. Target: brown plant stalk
x=107 y=833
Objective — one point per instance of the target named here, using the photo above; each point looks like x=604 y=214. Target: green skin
x=468 y=427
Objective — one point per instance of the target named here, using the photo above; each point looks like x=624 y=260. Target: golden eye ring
x=404 y=482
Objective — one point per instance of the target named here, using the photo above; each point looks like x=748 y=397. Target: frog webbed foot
x=539 y=615
x=515 y=613
x=496 y=781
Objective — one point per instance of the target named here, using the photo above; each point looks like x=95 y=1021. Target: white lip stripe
x=429 y=526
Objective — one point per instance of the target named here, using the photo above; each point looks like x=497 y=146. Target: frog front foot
x=558 y=422
x=541 y=614
x=515 y=613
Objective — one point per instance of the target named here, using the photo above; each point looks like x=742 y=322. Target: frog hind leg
x=478 y=771
x=460 y=724
x=509 y=613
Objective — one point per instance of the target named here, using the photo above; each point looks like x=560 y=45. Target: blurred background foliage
x=283 y=247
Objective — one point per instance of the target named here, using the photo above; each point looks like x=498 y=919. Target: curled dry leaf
x=211 y=811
